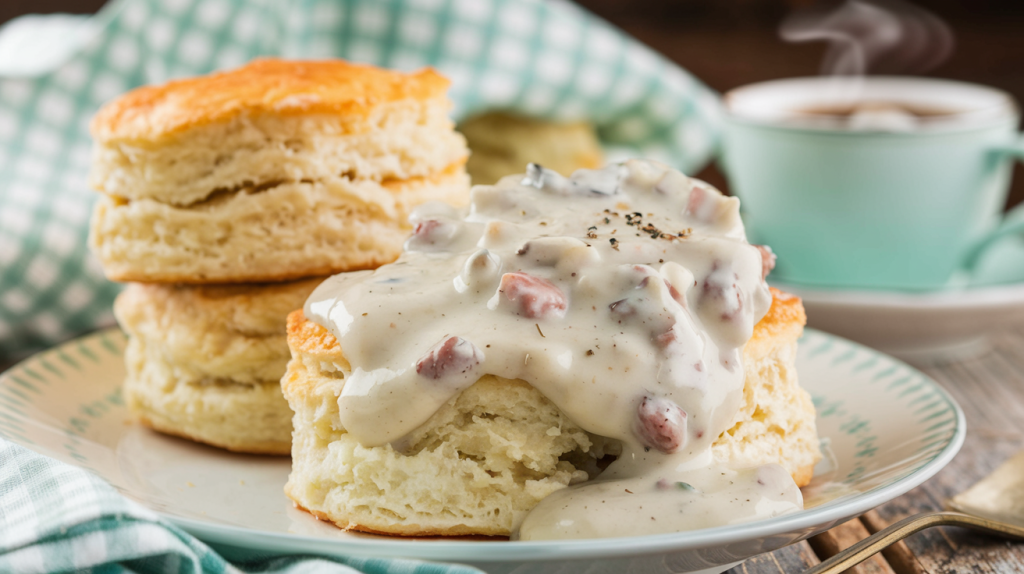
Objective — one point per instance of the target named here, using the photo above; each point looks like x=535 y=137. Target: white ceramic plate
x=920 y=328
x=890 y=428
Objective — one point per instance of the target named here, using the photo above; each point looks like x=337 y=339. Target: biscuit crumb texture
x=476 y=467
x=776 y=420
x=775 y=423
x=205 y=362
x=287 y=231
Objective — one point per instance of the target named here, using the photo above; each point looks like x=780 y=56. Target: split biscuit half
x=490 y=454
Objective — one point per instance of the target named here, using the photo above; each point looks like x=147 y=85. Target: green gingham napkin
x=548 y=59
x=58 y=518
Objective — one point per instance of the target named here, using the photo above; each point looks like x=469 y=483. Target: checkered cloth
x=58 y=518
x=548 y=59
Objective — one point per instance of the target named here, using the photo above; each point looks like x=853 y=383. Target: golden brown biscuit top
x=307 y=337
x=786 y=310
x=785 y=320
x=264 y=86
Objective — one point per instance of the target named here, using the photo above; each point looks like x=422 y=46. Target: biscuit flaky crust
x=776 y=420
x=205 y=362
x=286 y=232
x=275 y=171
x=371 y=489
x=264 y=86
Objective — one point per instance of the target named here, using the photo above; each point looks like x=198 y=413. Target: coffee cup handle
x=1013 y=221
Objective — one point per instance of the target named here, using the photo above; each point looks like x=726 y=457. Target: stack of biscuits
x=226 y=198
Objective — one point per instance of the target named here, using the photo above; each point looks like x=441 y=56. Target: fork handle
x=873 y=544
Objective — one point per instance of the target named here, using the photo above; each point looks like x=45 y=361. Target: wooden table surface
x=990 y=389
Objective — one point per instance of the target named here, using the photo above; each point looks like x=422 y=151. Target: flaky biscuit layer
x=205 y=362
x=288 y=231
x=273 y=121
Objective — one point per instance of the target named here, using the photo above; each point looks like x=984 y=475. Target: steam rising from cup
x=873 y=36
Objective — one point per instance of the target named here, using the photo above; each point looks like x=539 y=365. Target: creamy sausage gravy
x=624 y=295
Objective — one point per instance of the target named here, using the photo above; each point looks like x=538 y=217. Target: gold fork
x=995 y=505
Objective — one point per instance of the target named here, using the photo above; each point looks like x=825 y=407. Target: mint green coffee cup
x=878 y=183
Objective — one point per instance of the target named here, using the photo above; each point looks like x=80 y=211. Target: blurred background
x=728 y=43
x=52 y=290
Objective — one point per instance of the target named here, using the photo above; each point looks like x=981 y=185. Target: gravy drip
x=624 y=295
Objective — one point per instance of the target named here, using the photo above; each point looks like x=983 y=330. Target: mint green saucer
x=920 y=328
